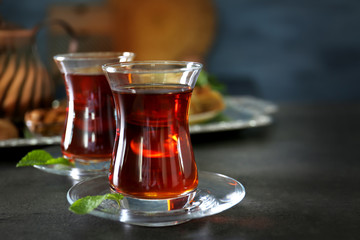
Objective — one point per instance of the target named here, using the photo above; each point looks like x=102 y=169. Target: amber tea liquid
x=153 y=147
x=90 y=125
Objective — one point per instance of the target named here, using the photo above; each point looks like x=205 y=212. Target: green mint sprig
x=81 y=206
x=206 y=78
x=89 y=203
x=41 y=157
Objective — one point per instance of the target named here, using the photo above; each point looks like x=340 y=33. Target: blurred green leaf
x=209 y=79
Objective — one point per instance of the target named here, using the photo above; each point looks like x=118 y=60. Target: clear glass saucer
x=215 y=193
x=76 y=172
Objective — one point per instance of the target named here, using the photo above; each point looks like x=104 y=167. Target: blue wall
x=291 y=50
x=281 y=50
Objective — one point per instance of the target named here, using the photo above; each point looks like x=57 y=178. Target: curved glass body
x=90 y=123
x=153 y=156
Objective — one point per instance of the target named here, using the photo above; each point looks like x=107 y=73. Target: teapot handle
x=73 y=44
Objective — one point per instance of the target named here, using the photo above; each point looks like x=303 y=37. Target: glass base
x=215 y=193
x=157 y=205
x=92 y=165
x=79 y=171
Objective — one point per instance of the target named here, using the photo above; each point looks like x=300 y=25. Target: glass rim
x=183 y=66
x=92 y=55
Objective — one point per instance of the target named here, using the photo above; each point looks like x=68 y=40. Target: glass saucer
x=76 y=173
x=215 y=193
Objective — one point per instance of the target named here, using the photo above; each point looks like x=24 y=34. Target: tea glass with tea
x=153 y=164
x=90 y=128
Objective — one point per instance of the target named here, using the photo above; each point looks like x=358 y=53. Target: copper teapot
x=25 y=83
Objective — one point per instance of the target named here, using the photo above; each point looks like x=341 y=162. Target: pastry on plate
x=46 y=121
x=7 y=129
x=206 y=101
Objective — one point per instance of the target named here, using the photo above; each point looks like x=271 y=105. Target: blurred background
x=280 y=50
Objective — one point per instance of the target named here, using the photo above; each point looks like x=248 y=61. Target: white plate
x=240 y=113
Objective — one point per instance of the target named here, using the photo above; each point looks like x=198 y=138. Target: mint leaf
x=41 y=157
x=202 y=78
x=115 y=196
x=59 y=160
x=209 y=79
x=86 y=204
x=89 y=203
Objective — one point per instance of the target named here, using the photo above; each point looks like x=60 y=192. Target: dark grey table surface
x=301 y=174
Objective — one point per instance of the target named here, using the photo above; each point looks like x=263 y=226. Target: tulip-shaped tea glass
x=153 y=163
x=90 y=126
